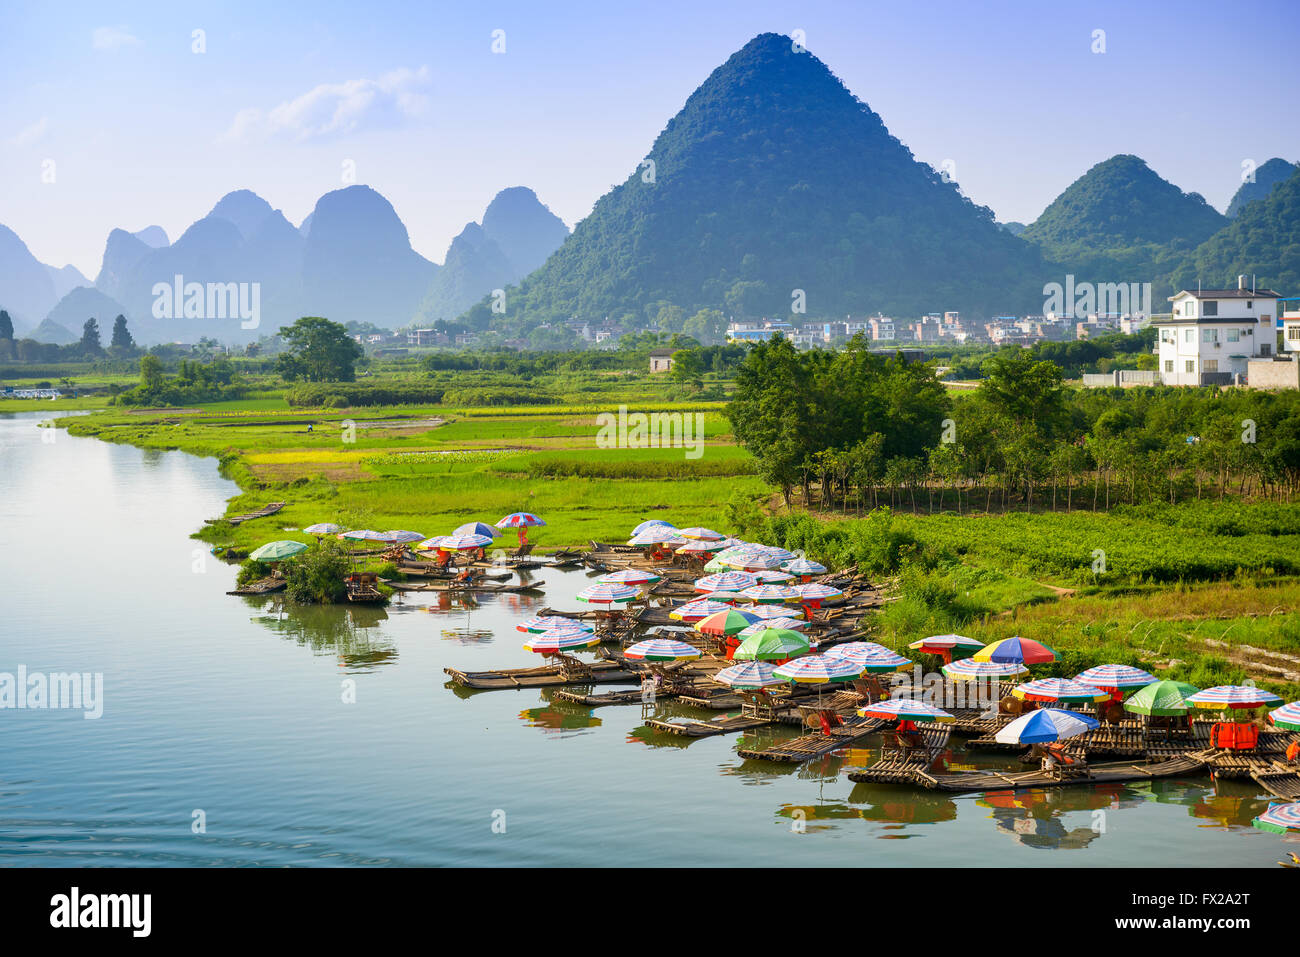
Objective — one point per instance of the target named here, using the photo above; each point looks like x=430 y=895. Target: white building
x=1290 y=320
x=1212 y=333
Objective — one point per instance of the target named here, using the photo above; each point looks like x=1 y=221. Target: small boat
x=363 y=589
x=459 y=586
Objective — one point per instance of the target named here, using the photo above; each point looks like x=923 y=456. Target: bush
x=315 y=577
x=250 y=571
x=359 y=394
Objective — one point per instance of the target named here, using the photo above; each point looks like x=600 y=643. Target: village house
x=1212 y=334
x=661 y=360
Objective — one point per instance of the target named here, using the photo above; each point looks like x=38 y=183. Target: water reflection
x=352 y=632
x=556 y=716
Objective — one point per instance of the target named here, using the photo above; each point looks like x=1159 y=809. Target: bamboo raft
x=263 y=586
x=545 y=676
x=262 y=512
x=1279 y=779
x=455 y=586
x=1117 y=772
x=906 y=764
x=723 y=724
x=432 y=571
x=810 y=746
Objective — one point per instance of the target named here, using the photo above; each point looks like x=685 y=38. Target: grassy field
x=1206 y=592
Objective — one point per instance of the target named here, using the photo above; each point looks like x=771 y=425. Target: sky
x=132 y=114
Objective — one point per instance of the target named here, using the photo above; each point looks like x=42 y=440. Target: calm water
x=234 y=707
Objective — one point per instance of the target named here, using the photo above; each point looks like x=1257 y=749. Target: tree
x=318 y=351
x=121 y=341
x=1025 y=389
x=6 y=326
x=151 y=372
x=90 y=337
x=708 y=326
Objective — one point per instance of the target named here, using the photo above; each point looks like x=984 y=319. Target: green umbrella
x=1161 y=699
x=771 y=644
x=274 y=551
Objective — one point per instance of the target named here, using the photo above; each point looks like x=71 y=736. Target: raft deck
x=809 y=746
x=546 y=676
x=262 y=512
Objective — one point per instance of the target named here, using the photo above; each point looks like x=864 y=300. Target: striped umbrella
x=782 y=553
x=1286 y=717
x=476 y=528
x=725 y=623
x=750 y=560
x=818 y=670
x=726 y=597
x=429 y=544
x=662 y=649
x=698 y=547
x=775 y=611
x=714 y=566
x=749 y=675
x=695 y=610
x=1161 y=699
x=937 y=644
x=540 y=623
x=905 y=709
x=725 y=581
x=323 y=528
x=1115 y=677
x=1046 y=724
x=872 y=657
x=817 y=592
x=363 y=535
x=771 y=644
x=770 y=577
x=657 y=535
x=701 y=534
x=770 y=594
x=1280 y=818
x=804 y=567
x=599 y=594
x=276 y=551
x=399 y=537
x=651 y=524
x=968 y=669
x=630 y=576
x=1059 y=689
x=520 y=520
x=1021 y=651
x=464 y=543
x=556 y=640
x=1233 y=696
x=758 y=626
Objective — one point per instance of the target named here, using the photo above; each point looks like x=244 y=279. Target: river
x=235 y=731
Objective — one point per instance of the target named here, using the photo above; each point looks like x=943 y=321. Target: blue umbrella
x=647 y=524
x=477 y=528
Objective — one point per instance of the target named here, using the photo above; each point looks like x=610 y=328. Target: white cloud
x=112 y=38
x=32 y=134
x=338 y=108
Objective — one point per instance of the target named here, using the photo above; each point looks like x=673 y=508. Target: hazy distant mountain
x=1263 y=241
x=1266 y=177
x=358 y=263
x=517 y=235
x=1013 y=227
x=154 y=236
x=72 y=311
x=1118 y=204
x=66 y=279
x=53 y=332
x=775 y=184
x=245 y=209
x=305 y=226
x=26 y=288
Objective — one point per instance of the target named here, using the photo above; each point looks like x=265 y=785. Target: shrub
x=316 y=575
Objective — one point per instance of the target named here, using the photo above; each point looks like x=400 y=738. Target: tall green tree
x=90 y=337
x=318 y=351
x=6 y=325
x=121 y=340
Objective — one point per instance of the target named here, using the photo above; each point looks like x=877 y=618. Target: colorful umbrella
x=1116 y=677
x=724 y=623
x=520 y=520
x=323 y=528
x=631 y=576
x=557 y=640
x=363 y=535
x=1279 y=818
x=775 y=611
x=399 y=537
x=905 y=709
x=818 y=670
x=476 y=528
x=871 y=657
x=703 y=534
x=662 y=649
x=770 y=577
x=758 y=626
x=695 y=610
x=1161 y=699
x=1046 y=724
x=726 y=597
x=651 y=524
x=770 y=594
x=749 y=675
x=937 y=644
x=803 y=567
x=1233 y=696
x=599 y=594
x=782 y=553
x=750 y=560
x=771 y=644
x=725 y=581
x=657 y=535
x=429 y=544
x=1287 y=717
x=1021 y=651
x=464 y=543
x=276 y=551
x=698 y=547
x=817 y=592
x=1059 y=689
x=968 y=669
x=540 y=623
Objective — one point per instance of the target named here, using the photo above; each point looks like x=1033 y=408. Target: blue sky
x=143 y=130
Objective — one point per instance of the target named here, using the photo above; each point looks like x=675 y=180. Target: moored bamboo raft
x=263 y=586
x=816 y=745
x=1279 y=779
x=723 y=724
x=262 y=512
x=906 y=763
x=481 y=587
x=1117 y=772
x=545 y=676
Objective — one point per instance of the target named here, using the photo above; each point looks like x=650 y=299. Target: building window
x=1293 y=333
x=1210 y=365
x=1189 y=335
x=1169 y=365
x=1250 y=304
x=1191 y=365
x=1210 y=307
x=1265 y=349
x=1234 y=335
x=1209 y=335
